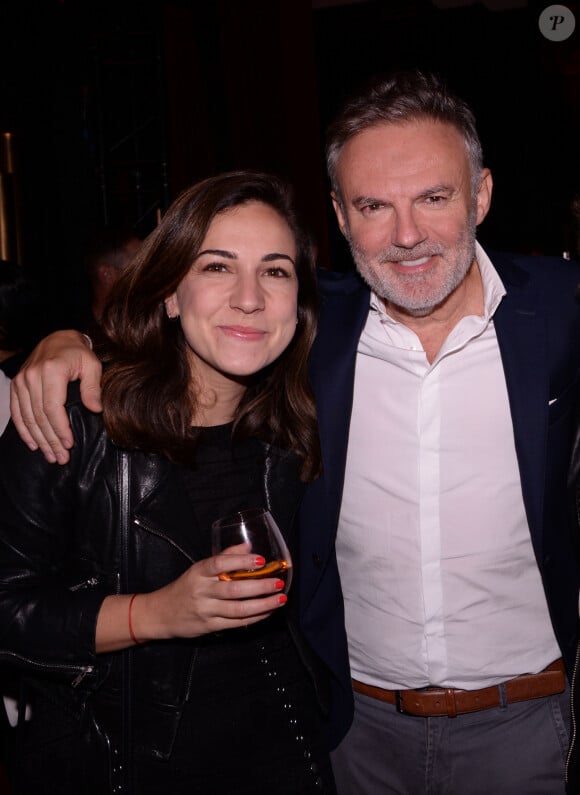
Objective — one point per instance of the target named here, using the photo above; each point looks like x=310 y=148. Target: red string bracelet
x=131 y=633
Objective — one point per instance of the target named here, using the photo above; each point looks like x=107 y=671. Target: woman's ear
x=171 y=307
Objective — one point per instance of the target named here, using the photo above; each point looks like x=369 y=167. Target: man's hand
x=38 y=392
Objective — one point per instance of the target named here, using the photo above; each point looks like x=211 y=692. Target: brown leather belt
x=439 y=701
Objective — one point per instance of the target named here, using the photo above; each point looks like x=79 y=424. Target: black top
x=227 y=477
x=251 y=705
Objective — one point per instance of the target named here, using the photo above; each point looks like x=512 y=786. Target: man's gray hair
x=403 y=97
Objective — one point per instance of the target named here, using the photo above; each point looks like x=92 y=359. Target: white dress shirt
x=4 y=400
x=440 y=581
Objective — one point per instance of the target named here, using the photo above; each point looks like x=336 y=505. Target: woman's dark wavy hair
x=148 y=398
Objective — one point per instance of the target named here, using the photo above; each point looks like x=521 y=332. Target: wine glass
x=257 y=528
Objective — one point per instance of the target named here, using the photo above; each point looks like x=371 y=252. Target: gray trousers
x=517 y=749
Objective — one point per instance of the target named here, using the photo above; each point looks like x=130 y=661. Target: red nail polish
x=282 y=599
x=279 y=584
x=259 y=561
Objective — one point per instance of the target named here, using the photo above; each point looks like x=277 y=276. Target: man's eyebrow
x=432 y=190
x=435 y=189
x=220 y=252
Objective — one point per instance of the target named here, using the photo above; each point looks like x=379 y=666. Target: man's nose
x=407 y=232
x=247 y=294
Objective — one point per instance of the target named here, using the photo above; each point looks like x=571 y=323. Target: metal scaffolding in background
x=125 y=129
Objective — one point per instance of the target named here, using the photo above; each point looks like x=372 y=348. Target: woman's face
x=238 y=304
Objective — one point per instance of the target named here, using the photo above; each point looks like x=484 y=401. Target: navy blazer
x=538 y=330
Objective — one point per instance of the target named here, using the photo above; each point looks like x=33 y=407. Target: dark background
x=114 y=107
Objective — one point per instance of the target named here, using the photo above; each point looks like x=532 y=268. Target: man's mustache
x=400 y=254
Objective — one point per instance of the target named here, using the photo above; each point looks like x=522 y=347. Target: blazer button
x=317 y=560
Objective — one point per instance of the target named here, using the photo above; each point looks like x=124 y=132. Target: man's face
x=408 y=211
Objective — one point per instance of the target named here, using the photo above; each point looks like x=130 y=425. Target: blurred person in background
x=107 y=255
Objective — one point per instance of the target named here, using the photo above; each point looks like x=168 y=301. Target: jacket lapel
x=345 y=303
x=333 y=383
x=521 y=333
x=161 y=507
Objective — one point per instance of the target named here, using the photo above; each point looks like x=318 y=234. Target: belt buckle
x=399 y=702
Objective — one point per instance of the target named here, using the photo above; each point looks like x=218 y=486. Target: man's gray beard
x=388 y=288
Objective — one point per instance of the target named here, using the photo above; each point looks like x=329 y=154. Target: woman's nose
x=247 y=294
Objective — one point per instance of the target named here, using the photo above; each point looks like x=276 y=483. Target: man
x=107 y=255
x=446 y=381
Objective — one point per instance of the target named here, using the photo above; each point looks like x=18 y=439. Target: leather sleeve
x=53 y=578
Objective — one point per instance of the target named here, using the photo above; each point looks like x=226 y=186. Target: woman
x=145 y=671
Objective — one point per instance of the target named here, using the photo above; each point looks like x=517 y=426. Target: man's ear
x=105 y=273
x=339 y=213
x=483 y=198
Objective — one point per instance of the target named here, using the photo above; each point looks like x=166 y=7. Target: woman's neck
x=218 y=406
x=217 y=395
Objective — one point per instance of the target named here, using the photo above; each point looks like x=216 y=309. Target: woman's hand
x=195 y=604
x=38 y=392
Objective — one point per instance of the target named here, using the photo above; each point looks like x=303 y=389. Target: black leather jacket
x=69 y=536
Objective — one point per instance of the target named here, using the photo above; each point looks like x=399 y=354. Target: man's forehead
x=401 y=135
x=402 y=150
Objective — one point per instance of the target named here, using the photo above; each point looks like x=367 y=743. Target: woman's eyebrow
x=219 y=252
x=275 y=255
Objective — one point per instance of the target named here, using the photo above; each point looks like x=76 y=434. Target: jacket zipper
x=86 y=669
x=90 y=583
x=165 y=537
x=81 y=670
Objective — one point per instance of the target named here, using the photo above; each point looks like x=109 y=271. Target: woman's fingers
x=200 y=602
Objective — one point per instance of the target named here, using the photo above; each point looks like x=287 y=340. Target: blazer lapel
x=333 y=383
x=345 y=302
x=521 y=333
